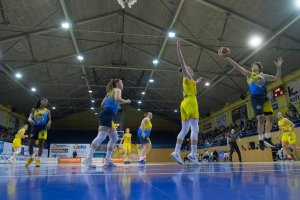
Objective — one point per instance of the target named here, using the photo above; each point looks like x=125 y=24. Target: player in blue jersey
x=262 y=107
x=110 y=106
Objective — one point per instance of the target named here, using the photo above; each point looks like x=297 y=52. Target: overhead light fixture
x=18 y=75
x=171 y=34
x=155 y=61
x=65 y=25
x=175 y=110
x=33 y=89
x=139 y=109
x=92 y=108
x=90 y=91
x=93 y=101
x=80 y=57
x=143 y=93
x=53 y=107
x=297 y=3
x=207 y=84
x=96 y=113
x=139 y=102
x=255 y=41
x=151 y=80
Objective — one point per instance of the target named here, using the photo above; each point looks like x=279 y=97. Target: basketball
x=224 y=51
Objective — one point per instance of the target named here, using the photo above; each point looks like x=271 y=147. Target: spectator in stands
x=232 y=144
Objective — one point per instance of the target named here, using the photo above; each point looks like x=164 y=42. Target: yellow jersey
x=127 y=138
x=20 y=133
x=284 y=126
x=189 y=88
x=148 y=125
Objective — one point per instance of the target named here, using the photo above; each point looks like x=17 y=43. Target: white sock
x=90 y=153
x=177 y=148
x=267 y=135
x=108 y=155
x=194 y=149
x=261 y=137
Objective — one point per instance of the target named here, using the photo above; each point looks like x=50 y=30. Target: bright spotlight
x=139 y=102
x=207 y=84
x=143 y=93
x=80 y=57
x=151 y=80
x=175 y=110
x=65 y=25
x=53 y=108
x=92 y=108
x=155 y=61
x=18 y=75
x=139 y=109
x=90 y=91
x=255 y=41
x=93 y=101
x=171 y=34
x=33 y=89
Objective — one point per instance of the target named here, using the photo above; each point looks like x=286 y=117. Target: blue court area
x=170 y=181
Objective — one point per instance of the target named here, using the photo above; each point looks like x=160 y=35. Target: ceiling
x=122 y=44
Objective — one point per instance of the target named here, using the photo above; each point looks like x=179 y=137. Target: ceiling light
x=53 y=108
x=151 y=80
x=80 y=57
x=171 y=34
x=175 y=110
x=65 y=25
x=139 y=102
x=255 y=41
x=90 y=91
x=143 y=93
x=139 y=109
x=207 y=84
x=18 y=75
x=92 y=108
x=33 y=89
x=155 y=61
x=93 y=101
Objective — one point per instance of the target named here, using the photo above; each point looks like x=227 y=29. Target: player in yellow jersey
x=40 y=119
x=17 y=144
x=126 y=145
x=189 y=112
x=288 y=138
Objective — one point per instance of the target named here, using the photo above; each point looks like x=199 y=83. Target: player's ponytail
x=112 y=84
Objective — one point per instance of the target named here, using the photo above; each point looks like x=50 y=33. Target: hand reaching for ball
x=224 y=52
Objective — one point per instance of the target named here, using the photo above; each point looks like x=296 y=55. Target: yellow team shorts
x=189 y=108
x=127 y=147
x=290 y=139
x=17 y=143
x=43 y=134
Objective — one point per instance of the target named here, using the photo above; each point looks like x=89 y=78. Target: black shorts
x=106 y=117
x=144 y=140
x=261 y=104
x=35 y=130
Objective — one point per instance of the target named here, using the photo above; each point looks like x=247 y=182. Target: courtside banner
x=69 y=160
x=294 y=91
x=66 y=150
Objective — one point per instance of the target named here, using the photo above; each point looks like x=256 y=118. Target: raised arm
x=185 y=72
x=118 y=97
x=271 y=78
x=30 y=118
x=238 y=67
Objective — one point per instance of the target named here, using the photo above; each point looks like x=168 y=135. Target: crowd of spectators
x=7 y=134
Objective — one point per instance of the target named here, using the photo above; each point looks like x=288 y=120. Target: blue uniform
x=258 y=94
x=109 y=111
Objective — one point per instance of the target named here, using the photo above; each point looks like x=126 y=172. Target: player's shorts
x=290 y=139
x=127 y=147
x=38 y=132
x=17 y=143
x=189 y=108
x=144 y=140
x=261 y=104
x=106 y=117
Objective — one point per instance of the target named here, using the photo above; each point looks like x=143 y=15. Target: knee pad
x=100 y=138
